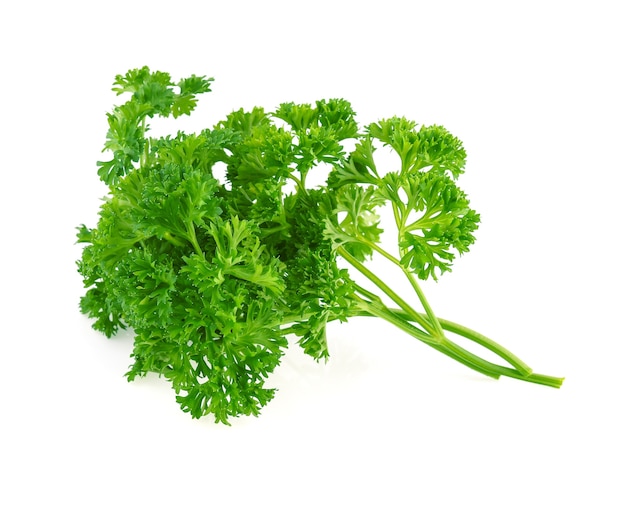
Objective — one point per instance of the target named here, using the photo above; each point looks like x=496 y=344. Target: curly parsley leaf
x=152 y=93
x=435 y=220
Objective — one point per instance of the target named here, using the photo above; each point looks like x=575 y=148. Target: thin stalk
x=146 y=148
x=430 y=314
x=393 y=317
x=396 y=216
x=299 y=182
x=417 y=317
x=429 y=311
x=546 y=380
x=402 y=321
x=484 y=341
x=382 y=252
x=368 y=294
x=457 y=352
x=464 y=358
x=191 y=235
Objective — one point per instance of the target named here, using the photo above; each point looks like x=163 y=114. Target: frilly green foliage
x=213 y=275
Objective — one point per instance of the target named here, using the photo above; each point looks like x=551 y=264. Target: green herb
x=213 y=275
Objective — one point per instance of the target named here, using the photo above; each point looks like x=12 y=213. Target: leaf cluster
x=151 y=94
x=432 y=214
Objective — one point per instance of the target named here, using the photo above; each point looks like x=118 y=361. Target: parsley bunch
x=213 y=275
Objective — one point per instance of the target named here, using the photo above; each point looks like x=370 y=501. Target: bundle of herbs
x=212 y=274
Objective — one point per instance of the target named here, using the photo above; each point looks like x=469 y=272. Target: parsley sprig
x=213 y=275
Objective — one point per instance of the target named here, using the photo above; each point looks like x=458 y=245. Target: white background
x=535 y=89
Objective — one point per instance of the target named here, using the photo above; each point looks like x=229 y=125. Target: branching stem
x=433 y=328
x=378 y=282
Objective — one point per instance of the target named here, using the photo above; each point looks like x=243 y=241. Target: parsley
x=213 y=275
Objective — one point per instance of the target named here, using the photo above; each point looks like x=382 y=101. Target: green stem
x=382 y=252
x=417 y=317
x=501 y=370
x=379 y=310
x=396 y=216
x=300 y=183
x=368 y=294
x=191 y=235
x=403 y=321
x=146 y=148
x=485 y=342
x=371 y=309
x=521 y=371
x=401 y=216
x=430 y=314
x=429 y=311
